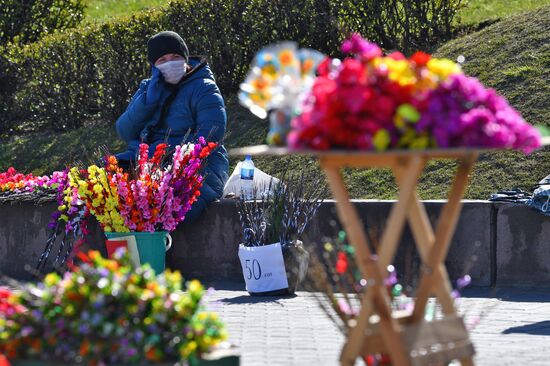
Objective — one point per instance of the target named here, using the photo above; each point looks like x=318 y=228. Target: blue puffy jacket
x=198 y=107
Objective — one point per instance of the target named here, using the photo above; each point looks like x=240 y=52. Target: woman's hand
x=154 y=87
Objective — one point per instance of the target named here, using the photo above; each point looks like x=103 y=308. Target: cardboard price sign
x=263 y=268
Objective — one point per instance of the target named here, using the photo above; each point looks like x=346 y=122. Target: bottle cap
x=247 y=157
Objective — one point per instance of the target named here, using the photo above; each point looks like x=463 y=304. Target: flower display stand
x=406 y=337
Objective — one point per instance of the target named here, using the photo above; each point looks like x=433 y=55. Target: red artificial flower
x=396 y=55
x=4 y=361
x=320 y=143
x=370 y=360
x=420 y=58
x=352 y=71
x=323 y=89
x=340 y=137
x=356 y=97
x=143 y=155
x=385 y=359
x=7 y=308
x=323 y=69
x=369 y=125
x=84 y=257
x=332 y=125
x=160 y=151
x=377 y=359
x=207 y=149
x=384 y=109
x=400 y=94
x=309 y=133
x=342 y=263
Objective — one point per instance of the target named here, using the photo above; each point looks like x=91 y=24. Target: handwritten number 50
x=254 y=270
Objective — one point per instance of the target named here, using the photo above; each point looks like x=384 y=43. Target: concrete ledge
x=469 y=252
x=522 y=246
x=494 y=243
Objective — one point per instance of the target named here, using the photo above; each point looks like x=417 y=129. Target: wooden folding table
x=407 y=338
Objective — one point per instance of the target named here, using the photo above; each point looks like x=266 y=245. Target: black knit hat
x=166 y=42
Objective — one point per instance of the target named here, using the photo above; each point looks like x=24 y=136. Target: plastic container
x=247 y=178
x=152 y=247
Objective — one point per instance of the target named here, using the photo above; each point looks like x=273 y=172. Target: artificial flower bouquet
x=275 y=86
x=105 y=312
x=16 y=186
x=372 y=101
x=13 y=181
x=154 y=197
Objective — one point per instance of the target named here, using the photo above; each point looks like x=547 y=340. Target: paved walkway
x=510 y=327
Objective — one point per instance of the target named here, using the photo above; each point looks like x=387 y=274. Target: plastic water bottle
x=247 y=178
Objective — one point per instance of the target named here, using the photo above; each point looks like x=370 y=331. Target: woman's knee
x=196 y=210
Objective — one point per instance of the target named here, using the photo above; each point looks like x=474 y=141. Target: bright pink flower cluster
x=13 y=181
x=372 y=101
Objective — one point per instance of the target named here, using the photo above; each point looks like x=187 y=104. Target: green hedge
x=24 y=21
x=85 y=74
x=89 y=73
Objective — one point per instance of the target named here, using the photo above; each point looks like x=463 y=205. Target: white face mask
x=173 y=71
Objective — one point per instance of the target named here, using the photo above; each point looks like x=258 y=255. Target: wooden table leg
x=424 y=239
x=444 y=232
x=389 y=328
x=412 y=168
x=353 y=346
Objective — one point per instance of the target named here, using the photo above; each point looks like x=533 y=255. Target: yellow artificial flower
x=194 y=286
x=51 y=279
x=69 y=310
x=188 y=349
x=421 y=142
x=381 y=139
x=98 y=188
x=269 y=71
x=443 y=68
x=399 y=71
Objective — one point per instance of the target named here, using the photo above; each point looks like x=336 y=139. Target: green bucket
x=152 y=247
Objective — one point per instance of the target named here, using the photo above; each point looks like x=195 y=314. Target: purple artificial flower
x=463 y=282
x=461 y=112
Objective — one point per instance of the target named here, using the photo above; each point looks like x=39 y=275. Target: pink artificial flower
x=361 y=47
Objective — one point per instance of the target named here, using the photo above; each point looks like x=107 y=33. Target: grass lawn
x=476 y=11
x=473 y=11
x=101 y=10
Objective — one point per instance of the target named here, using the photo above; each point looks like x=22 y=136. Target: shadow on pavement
x=540 y=328
x=514 y=294
x=246 y=299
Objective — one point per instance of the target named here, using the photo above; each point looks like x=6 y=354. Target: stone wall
x=496 y=243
